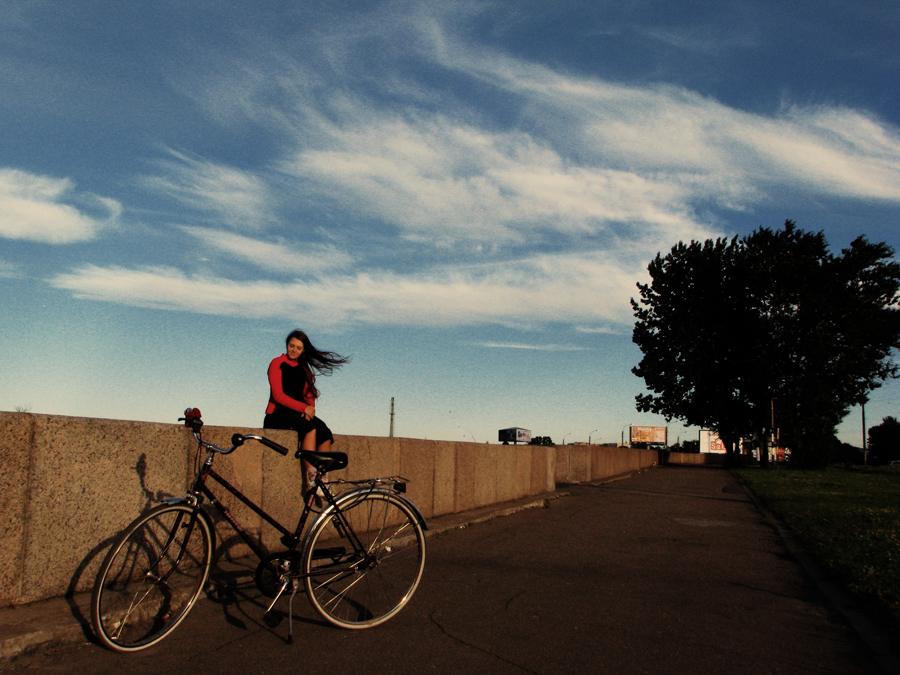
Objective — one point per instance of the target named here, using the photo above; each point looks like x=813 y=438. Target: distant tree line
x=686 y=446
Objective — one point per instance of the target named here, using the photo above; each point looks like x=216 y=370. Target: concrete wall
x=69 y=485
x=711 y=458
x=586 y=463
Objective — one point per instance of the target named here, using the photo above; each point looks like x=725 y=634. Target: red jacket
x=288 y=386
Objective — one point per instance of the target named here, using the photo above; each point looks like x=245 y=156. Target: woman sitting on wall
x=293 y=393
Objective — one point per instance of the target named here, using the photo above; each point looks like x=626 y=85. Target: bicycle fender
x=415 y=510
x=363 y=491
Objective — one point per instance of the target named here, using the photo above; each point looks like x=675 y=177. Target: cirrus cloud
x=50 y=210
x=583 y=288
x=312 y=259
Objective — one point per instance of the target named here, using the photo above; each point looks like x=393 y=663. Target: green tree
x=770 y=331
x=884 y=441
x=690 y=329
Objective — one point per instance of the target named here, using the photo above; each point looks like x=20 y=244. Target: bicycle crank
x=274 y=569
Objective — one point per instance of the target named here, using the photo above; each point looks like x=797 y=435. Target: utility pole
x=865 y=442
x=392 y=417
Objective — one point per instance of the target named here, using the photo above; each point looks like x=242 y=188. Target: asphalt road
x=669 y=571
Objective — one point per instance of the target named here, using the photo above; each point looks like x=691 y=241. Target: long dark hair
x=314 y=361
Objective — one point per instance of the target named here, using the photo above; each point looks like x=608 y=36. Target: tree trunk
x=730 y=455
x=764 y=448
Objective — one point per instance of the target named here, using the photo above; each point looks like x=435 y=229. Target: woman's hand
x=309 y=412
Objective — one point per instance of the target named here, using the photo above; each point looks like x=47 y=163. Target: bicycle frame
x=288 y=538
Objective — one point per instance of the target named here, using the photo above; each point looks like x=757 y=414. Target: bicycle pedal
x=272 y=618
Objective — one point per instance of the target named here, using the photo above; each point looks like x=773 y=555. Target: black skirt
x=285 y=418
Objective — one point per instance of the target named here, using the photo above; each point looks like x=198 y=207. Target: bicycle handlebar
x=192 y=420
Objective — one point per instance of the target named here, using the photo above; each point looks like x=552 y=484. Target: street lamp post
x=590 y=434
x=564 y=437
x=623 y=434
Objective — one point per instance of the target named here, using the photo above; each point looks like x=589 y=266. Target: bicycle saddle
x=324 y=461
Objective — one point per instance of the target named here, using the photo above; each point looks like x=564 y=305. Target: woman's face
x=294 y=348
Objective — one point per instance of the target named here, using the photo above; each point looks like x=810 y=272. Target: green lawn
x=848 y=518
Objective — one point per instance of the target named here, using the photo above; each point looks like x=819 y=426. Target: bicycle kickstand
x=272 y=618
x=291 y=612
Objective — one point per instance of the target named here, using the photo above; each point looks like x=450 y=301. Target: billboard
x=655 y=435
x=515 y=435
x=710 y=442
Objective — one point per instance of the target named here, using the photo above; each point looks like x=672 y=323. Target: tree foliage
x=884 y=441
x=736 y=332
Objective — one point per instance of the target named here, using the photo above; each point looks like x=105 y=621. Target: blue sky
x=461 y=195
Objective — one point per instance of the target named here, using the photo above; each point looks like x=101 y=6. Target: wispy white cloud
x=10 y=270
x=587 y=289
x=832 y=151
x=532 y=347
x=603 y=330
x=222 y=193
x=666 y=133
x=51 y=210
x=706 y=39
x=312 y=259
x=439 y=179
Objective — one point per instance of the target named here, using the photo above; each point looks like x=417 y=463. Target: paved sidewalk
x=672 y=570
x=61 y=621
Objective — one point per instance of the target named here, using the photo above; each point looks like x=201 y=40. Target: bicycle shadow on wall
x=76 y=599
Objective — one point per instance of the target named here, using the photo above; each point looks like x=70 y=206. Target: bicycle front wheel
x=364 y=562
x=152 y=576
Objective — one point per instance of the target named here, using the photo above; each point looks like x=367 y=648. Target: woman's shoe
x=314 y=489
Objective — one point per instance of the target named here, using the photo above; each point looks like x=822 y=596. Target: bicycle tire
x=357 y=589
x=151 y=577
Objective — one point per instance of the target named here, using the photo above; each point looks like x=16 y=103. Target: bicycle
x=360 y=561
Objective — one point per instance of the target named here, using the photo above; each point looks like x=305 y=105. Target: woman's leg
x=324 y=436
x=325 y=433
x=309 y=444
x=309 y=441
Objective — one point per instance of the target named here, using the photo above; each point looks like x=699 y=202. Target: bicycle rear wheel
x=362 y=586
x=151 y=577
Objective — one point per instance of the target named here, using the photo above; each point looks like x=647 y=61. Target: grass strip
x=848 y=518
